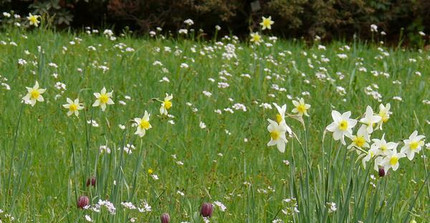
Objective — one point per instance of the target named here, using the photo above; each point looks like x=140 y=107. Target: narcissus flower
x=391 y=161
x=361 y=139
x=255 y=38
x=166 y=104
x=73 y=106
x=33 y=19
x=341 y=126
x=277 y=134
x=103 y=98
x=384 y=113
x=142 y=124
x=34 y=94
x=370 y=119
x=301 y=107
x=266 y=23
x=413 y=145
x=280 y=116
x=382 y=147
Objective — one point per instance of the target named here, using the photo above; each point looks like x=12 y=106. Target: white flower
x=300 y=107
x=189 y=22
x=361 y=139
x=142 y=124
x=370 y=119
x=34 y=94
x=202 y=125
x=382 y=147
x=392 y=160
x=73 y=106
x=281 y=112
x=413 y=145
x=341 y=126
x=166 y=104
x=277 y=134
x=102 y=99
x=384 y=113
x=88 y=218
x=220 y=205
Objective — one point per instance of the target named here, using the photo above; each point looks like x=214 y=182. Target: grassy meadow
x=212 y=145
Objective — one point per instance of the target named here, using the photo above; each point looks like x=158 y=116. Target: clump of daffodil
x=33 y=19
x=256 y=38
x=301 y=108
x=413 y=145
x=73 y=107
x=34 y=94
x=142 y=124
x=266 y=23
x=341 y=126
x=166 y=104
x=103 y=98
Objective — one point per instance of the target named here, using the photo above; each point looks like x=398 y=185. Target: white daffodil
x=391 y=161
x=103 y=98
x=361 y=139
x=371 y=153
x=277 y=134
x=301 y=107
x=73 y=107
x=341 y=126
x=382 y=147
x=384 y=113
x=413 y=145
x=142 y=124
x=255 y=38
x=166 y=104
x=34 y=94
x=280 y=117
x=370 y=119
x=266 y=23
x=33 y=19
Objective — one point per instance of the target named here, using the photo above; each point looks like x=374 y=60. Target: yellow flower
x=256 y=38
x=34 y=94
x=266 y=23
x=73 y=106
x=33 y=19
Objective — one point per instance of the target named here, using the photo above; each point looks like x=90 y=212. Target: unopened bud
x=83 y=201
x=207 y=209
x=381 y=172
x=91 y=181
x=165 y=218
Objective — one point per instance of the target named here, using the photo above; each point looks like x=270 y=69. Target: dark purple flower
x=165 y=218
x=207 y=209
x=91 y=181
x=83 y=201
x=381 y=172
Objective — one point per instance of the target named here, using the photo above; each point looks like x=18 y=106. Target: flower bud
x=381 y=172
x=165 y=218
x=91 y=181
x=83 y=201
x=206 y=210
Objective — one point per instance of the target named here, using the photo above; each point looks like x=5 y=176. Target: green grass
x=47 y=157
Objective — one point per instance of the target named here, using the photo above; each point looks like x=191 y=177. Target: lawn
x=210 y=145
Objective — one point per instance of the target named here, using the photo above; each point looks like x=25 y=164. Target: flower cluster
x=384 y=153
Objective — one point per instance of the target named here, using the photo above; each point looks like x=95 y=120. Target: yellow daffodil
x=256 y=38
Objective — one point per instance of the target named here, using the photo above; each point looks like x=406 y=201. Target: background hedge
x=293 y=18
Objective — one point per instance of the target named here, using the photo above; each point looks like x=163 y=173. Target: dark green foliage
x=293 y=18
